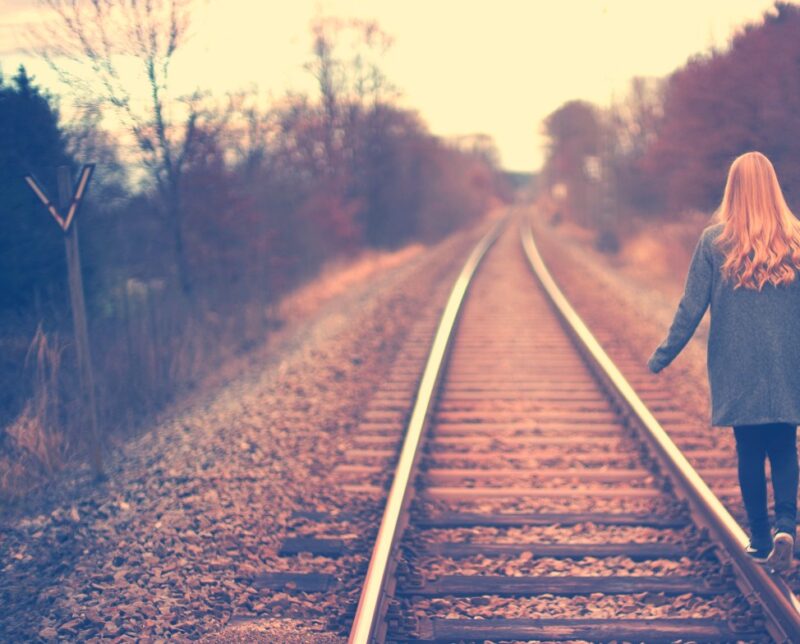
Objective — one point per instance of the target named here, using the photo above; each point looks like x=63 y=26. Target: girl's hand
x=653 y=365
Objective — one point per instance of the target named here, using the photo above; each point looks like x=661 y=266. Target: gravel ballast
x=197 y=507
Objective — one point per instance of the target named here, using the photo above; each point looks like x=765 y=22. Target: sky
x=497 y=67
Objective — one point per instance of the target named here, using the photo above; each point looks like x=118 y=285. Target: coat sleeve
x=692 y=307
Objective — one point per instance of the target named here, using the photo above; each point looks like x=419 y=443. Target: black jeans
x=753 y=444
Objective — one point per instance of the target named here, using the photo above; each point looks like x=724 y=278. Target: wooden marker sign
x=69 y=201
x=74 y=201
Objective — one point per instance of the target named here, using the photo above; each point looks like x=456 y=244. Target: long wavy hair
x=761 y=236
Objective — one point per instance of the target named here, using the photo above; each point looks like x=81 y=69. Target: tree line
x=665 y=148
x=203 y=212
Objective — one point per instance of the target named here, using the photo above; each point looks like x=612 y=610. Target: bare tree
x=345 y=63
x=636 y=117
x=632 y=126
x=103 y=37
x=250 y=130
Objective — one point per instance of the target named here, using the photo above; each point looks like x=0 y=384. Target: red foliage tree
x=726 y=103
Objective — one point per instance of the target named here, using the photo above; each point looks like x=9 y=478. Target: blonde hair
x=761 y=236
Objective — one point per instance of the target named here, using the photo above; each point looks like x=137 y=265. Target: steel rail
x=781 y=606
x=371 y=605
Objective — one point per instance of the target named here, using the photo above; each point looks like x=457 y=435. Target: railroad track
x=533 y=495
x=528 y=454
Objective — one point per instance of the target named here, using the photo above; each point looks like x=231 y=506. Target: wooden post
x=78 y=305
x=65 y=218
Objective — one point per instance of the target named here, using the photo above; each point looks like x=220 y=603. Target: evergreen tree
x=32 y=266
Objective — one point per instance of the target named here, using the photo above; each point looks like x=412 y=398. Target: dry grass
x=336 y=277
x=153 y=351
x=653 y=251
x=660 y=251
x=36 y=439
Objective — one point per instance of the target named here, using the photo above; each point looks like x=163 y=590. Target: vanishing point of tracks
x=535 y=497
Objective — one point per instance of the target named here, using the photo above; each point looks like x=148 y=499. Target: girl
x=746 y=267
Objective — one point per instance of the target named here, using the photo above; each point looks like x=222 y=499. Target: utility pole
x=68 y=203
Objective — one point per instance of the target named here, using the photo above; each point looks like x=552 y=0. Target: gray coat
x=753 y=344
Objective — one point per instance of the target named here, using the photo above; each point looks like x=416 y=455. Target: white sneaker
x=782 y=554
